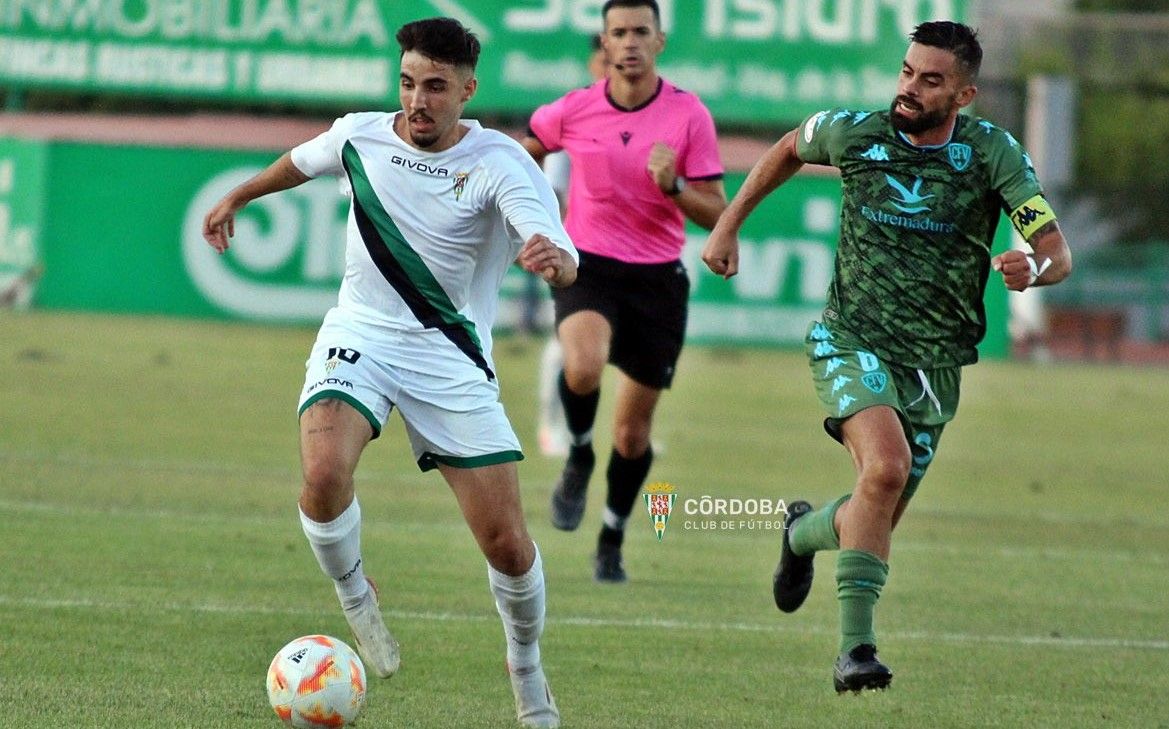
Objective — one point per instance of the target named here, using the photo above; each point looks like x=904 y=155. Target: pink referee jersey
x=614 y=207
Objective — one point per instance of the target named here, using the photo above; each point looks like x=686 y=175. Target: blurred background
x=123 y=121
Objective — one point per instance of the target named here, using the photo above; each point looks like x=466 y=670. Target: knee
x=631 y=439
x=324 y=478
x=582 y=381
x=509 y=551
x=583 y=367
x=885 y=477
x=583 y=376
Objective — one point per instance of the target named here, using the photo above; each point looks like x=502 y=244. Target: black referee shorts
x=644 y=303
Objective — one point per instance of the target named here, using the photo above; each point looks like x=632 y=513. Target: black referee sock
x=625 y=476
x=580 y=412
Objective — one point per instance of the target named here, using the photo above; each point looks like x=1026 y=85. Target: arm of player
x=219 y=223
x=1050 y=263
x=775 y=167
x=539 y=255
x=702 y=201
x=535 y=148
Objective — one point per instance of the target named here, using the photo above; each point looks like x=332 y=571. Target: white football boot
x=534 y=704
x=378 y=649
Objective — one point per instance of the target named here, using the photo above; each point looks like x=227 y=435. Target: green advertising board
x=762 y=61
x=122 y=232
x=22 y=196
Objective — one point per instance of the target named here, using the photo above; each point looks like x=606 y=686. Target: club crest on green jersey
x=959 y=155
x=875 y=381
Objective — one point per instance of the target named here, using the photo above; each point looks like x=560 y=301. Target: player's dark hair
x=959 y=39
x=441 y=39
x=651 y=4
x=595 y=41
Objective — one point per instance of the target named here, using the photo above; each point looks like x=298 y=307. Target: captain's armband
x=1031 y=216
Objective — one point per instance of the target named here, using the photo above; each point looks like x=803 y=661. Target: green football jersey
x=916 y=228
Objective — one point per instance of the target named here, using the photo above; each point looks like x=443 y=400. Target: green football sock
x=859 y=578
x=815 y=532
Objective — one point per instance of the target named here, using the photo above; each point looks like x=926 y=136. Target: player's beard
x=424 y=139
x=924 y=121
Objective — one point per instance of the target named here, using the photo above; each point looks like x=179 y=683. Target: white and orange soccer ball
x=316 y=681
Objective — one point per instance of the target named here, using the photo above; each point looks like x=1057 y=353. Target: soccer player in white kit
x=440 y=207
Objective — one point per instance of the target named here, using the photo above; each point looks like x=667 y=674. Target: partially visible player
x=644 y=159
x=552 y=436
x=923 y=190
x=433 y=198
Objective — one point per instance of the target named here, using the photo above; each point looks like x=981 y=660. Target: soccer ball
x=316 y=681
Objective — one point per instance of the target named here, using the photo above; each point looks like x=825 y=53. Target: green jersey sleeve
x=817 y=143
x=1012 y=177
x=1012 y=174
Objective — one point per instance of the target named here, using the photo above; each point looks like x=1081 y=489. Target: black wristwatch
x=679 y=186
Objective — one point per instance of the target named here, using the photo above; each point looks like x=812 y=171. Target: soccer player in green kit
x=923 y=189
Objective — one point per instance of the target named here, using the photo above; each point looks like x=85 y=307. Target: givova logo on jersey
x=419 y=166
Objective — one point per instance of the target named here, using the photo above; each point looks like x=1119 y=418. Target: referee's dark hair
x=445 y=40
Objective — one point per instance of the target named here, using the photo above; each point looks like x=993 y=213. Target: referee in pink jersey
x=644 y=157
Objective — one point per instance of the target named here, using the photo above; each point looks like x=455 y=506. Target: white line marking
x=292 y=474
x=1046 y=553
x=911 y=546
x=592 y=622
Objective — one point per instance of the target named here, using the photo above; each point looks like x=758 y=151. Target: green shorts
x=849 y=379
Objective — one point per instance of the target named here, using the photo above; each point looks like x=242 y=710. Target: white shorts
x=450 y=407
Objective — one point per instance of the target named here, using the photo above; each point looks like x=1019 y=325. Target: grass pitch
x=153 y=562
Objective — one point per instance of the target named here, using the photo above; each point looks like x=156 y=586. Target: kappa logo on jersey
x=960 y=155
x=812 y=125
x=876 y=153
x=1026 y=215
x=844 y=402
x=460 y=183
x=337 y=355
x=419 y=166
x=910 y=200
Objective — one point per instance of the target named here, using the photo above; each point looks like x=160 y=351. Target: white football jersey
x=431 y=234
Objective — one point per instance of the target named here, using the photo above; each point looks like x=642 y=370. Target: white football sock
x=337 y=545
x=520 y=602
